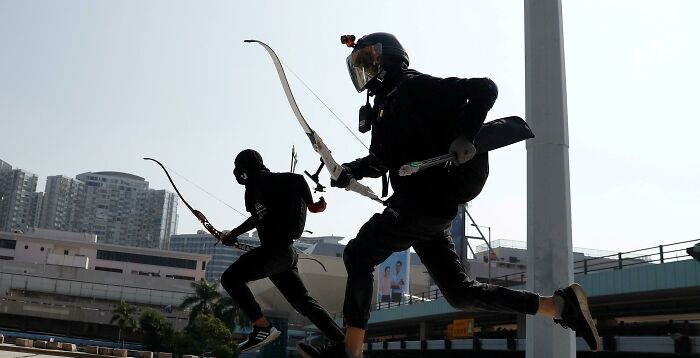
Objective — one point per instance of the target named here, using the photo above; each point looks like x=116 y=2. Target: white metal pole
x=550 y=257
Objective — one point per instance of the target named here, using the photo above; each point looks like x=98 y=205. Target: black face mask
x=241 y=176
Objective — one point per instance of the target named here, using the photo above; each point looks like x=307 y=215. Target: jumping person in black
x=277 y=203
x=415 y=117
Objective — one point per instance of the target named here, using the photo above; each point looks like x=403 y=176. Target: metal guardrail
x=666 y=344
x=617 y=261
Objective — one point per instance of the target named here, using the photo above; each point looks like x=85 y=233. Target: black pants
x=430 y=236
x=280 y=265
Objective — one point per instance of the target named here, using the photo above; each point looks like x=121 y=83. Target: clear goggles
x=364 y=65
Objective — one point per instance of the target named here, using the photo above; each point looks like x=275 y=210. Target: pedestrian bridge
x=639 y=280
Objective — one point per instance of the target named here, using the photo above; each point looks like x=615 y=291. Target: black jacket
x=277 y=203
x=418 y=121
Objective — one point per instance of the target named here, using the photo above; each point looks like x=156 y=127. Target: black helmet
x=371 y=55
x=247 y=163
x=393 y=52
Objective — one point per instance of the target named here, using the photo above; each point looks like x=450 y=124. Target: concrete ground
x=9 y=354
x=12 y=351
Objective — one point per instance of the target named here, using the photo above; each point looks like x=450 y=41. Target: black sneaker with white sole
x=333 y=350
x=576 y=316
x=259 y=338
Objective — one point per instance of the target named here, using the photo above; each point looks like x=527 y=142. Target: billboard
x=393 y=279
x=458 y=234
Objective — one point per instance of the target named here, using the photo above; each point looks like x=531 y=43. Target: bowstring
x=208 y=193
x=246 y=246
x=324 y=104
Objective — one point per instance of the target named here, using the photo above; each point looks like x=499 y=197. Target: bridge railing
x=589 y=265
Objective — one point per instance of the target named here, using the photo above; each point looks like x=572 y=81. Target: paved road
x=7 y=354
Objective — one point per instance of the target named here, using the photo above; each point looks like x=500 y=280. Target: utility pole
x=549 y=249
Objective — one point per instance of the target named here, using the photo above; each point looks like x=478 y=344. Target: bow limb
x=329 y=162
x=202 y=219
x=315 y=260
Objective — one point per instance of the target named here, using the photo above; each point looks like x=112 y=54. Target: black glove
x=229 y=238
x=343 y=179
x=462 y=149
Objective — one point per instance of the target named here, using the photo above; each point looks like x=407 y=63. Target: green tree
x=157 y=333
x=123 y=315
x=185 y=343
x=206 y=334
x=214 y=336
x=228 y=312
x=203 y=299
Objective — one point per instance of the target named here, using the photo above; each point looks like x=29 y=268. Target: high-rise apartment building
x=158 y=214
x=36 y=201
x=18 y=199
x=118 y=207
x=64 y=199
x=121 y=210
x=4 y=165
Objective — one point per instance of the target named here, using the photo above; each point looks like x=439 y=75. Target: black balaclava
x=247 y=165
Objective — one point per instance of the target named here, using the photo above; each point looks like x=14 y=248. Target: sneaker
x=259 y=338
x=333 y=350
x=576 y=316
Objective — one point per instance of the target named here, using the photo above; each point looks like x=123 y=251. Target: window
x=178 y=277
x=41 y=249
x=146 y=259
x=8 y=244
x=109 y=269
x=65 y=252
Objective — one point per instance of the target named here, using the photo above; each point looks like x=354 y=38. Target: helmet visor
x=364 y=65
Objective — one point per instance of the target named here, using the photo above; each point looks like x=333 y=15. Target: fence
x=590 y=265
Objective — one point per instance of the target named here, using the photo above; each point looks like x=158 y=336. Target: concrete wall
x=36 y=247
x=76 y=282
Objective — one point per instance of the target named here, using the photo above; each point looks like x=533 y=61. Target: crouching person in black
x=277 y=203
x=415 y=117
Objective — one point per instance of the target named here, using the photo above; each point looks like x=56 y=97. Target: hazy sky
x=97 y=85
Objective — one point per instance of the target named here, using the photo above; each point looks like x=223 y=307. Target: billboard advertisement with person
x=393 y=278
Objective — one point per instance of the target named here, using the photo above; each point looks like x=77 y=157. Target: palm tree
x=202 y=300
x=228 y=311
x=123 y=314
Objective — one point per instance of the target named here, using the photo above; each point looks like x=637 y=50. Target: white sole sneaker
x=583 y=304
x=274 y=333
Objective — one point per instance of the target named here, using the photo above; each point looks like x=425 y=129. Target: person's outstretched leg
x=568 y=307
x=382 y=235
x=249 y=267
x=293 y=289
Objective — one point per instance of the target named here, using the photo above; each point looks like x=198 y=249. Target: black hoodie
x=417 y=121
